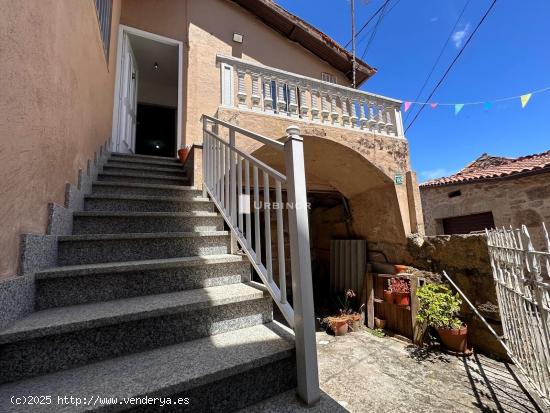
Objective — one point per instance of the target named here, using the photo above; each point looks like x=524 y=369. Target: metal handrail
x=226 y=180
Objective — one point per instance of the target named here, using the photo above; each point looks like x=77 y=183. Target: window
x=454 y=194
x=468 y=223
x=104 y=9
x=328 y=77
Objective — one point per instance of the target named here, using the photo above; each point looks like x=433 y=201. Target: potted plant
x=338 y=324
x=388 y=296
x=438 y=308
x=398 y=268
x=401 y=290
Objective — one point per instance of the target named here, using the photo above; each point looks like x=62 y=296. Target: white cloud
x=434 y=173
x=459 y=36
x=434 y=19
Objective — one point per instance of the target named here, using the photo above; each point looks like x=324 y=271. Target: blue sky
x=508 y=56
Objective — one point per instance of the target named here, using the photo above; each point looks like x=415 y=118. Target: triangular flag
x=458 y=107
x=433 y=105
x=407 y=106
x=525 y=99
x=488 y=105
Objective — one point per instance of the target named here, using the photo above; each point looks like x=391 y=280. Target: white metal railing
x=232 y=178
x=522 y=277
x=274 y=91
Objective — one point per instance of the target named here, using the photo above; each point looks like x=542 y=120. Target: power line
x=380 y=18
x=453 y=62
x=386 y=13
x=439 y=57
x=368 y=21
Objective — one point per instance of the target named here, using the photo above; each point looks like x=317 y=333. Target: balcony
x=275 y=92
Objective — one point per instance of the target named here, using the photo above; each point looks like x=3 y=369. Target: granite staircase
x=146 y=301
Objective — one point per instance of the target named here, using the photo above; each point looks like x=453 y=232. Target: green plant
x=438 y=306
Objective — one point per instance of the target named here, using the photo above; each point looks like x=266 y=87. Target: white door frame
x=158 y=38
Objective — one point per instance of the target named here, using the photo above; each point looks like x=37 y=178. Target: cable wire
x=453 y=62
x=368 y=21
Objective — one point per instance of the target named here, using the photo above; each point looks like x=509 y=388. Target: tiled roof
x=494 y=167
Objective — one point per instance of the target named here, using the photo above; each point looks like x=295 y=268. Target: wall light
x=237 y=38
x=156 y=66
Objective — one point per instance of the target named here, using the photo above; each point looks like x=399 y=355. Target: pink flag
x=407 y=106
x=433 y=105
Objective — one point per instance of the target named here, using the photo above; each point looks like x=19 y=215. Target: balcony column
x=324 y=107
x=256 y=97
x=363 y=118
x=268 y=101
x=398 y=121
x=281 y=100
x=293 y=103
x=371 y=118
x=380 y=122
x=314 y=105
x=353 y=118
x=241 y=92
x=345 y=111
x=389 y=123
x=303 y=103
x=334 y=110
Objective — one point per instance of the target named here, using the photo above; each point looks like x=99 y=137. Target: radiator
x=348 y=263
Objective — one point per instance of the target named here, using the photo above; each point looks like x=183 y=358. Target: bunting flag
x=487 y=104
x=525 y=99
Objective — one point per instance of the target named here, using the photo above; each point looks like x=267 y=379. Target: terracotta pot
x=379 y=323
x=183 y=153
x=400 y=268
x=388 y=296
x=355 y=321
x=403 y=299
x=339 y=327
x=454 y=339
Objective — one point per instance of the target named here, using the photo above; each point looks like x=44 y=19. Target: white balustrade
x=286 y=94
x=224 y=176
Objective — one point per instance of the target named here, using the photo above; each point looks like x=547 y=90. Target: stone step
x=222 y=373
x=80 y=284
x=101 y=248
x=143 y=158
x=111 y=222
x=133 y=188
x=146 y=163
x=143 y=169
x=144 y=178
x=61 y=338
x=143 y=203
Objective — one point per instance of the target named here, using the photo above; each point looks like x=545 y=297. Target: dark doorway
x=156 y=130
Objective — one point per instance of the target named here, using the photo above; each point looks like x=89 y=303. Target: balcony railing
x=239 y=184
x=273 y=91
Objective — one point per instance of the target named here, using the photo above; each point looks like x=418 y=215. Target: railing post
x=302 y=287
x=205 y=154
x=233 y=177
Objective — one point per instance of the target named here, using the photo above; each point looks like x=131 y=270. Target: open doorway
x=148 y=97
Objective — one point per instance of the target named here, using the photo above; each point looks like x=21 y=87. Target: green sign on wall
x=398 y=179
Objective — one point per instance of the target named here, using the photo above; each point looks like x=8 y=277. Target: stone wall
x=518 y=201
x=465 y=259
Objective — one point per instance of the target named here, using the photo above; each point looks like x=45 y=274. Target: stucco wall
x=207 y=27
x=518 y=201
x=56 y=103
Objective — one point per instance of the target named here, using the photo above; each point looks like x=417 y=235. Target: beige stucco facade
x=513 y=201
x=59 y=103
x=56 y=102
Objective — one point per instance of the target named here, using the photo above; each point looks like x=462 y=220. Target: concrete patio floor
x=361 y=372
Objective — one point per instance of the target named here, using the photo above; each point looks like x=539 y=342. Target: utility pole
x=353 y=41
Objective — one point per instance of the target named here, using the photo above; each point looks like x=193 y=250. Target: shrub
x=438 y=306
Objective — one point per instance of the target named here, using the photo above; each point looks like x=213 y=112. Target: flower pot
x=455 y=339
x=400 y=268
x=388 y=296
x=402 y=299
x=354 y=322
x=339 y=327
x=183 y=153
x=379 y=323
